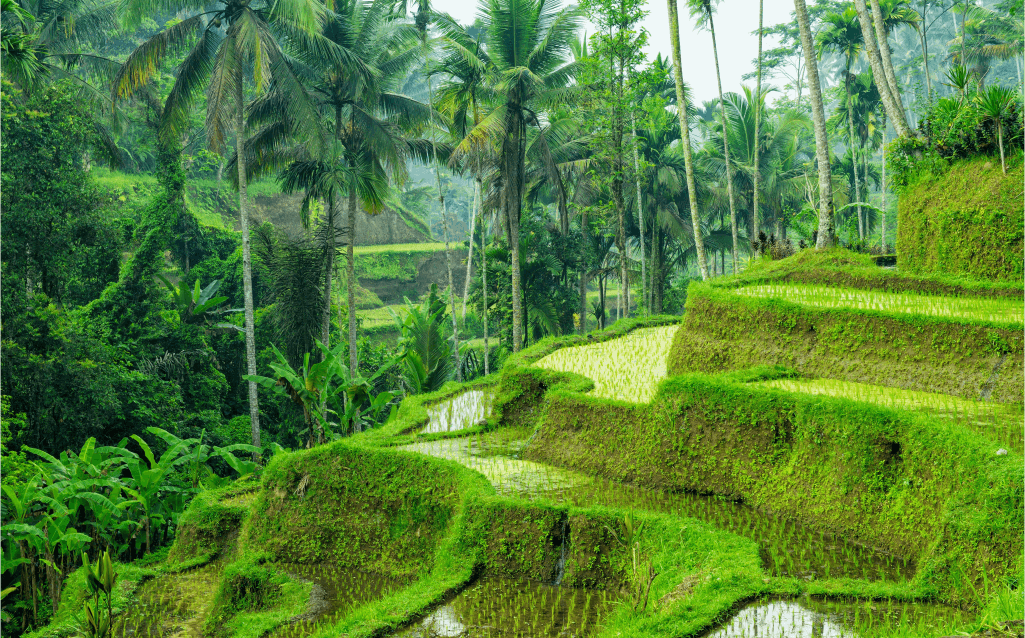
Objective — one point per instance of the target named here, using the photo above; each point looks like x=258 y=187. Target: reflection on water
x=500 y=607
x=460 y=412
x=835 y=619
x=335 y=593
x=787 y=548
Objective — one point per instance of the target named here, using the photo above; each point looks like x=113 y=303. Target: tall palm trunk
x=484 y=283
x=469 y=257
x=512 y=159
x=640 y=207
x=826 y=230
x=617 y=195
x=883 y=207
x=854 y=156
x=755 y=221
x=444 y=223
x=884 y=53
x=891 y=102
x=350 y=280
x=688 y=160
x=325 y=336
x=247 y=261
x=725 y=146
x=925 y=56
x=583 y=274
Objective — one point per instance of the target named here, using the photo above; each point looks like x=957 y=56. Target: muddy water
x=506 y=608
x=787 y=549
x=171 y=605
x=460 y=412
x=335 y=593
x=807 y=618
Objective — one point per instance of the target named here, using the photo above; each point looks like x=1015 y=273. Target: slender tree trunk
x=891 y=103
x=640 y=206
x=484 y=284
x=583 y=273
x=325 y=330
x=247 y=262
x=883 y=207
x=1000 y=143
x=755 y=220
x=350 y=281
x=681 y=109
x=854 y=156
x=617 y=192
x=925 y=59
x=725 y=147
x=513 y=158
x=469 y=258
x=826 y=230
x=884 y=53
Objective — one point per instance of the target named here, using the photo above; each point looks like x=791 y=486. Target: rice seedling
x=336 y=592
x=628 y=368
x=399 y=248
x=841 y=619
x=998 y=309
x=1002 y=422
x=516 y=608
x=171 y=604
x=460 y=412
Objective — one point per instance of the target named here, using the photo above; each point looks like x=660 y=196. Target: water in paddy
x=507 y=608
x=171 y=605
x=460 y=412
x=335 y=593
x=787 y=548
x=808 y=618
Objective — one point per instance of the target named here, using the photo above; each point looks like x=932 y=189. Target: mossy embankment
x=964 y=218
x=724 y=331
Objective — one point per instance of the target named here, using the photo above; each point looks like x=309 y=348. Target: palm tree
x=758 y=119
x=232 y=37
x=681 y=111
x=826 y=231
x=703 y=10
x=995 y=104
x=890 y=94
x=526 y=45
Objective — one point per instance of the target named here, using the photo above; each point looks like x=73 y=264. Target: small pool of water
x=335 y=593
x=808 y=618
x=510 y=608
x=460 y=412
x=786 y=548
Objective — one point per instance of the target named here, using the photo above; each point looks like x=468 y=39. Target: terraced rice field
x=1003 y=310
x=628 y=368
x=400 y=248
x=1004 y=423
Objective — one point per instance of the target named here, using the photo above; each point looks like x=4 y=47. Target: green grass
x=1000 y=421
x=402 y=248
x=378 y=318
x=975 y=308
x=629 y=368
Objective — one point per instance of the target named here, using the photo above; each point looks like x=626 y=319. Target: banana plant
x=195 y=304
x=100 y=580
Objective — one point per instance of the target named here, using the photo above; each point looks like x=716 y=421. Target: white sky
x=735 y=22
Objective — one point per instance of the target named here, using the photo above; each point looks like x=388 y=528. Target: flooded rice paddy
x=1002 y=422
x=787 y=548
x=628 y=368
x=809 y=618
x=460 y=412
x=999 y=309
x=507 y=608
x=171 y=605
x=336 y=592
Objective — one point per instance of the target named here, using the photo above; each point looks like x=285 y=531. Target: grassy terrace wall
x=967 y=219
x=890 y=479
x=725 y=331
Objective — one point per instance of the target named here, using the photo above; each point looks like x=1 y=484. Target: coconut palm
x=703 y=11
x=825 y=227
x=870 y=36
x=527 y=41
x=222 y=44
x=758 y=117
x=681 y=112
x=841 y=34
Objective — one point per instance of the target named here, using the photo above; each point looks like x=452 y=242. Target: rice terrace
x=512 y=319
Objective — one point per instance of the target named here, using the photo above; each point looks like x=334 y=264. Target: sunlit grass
x=379 y=317
x=628 y=368
x=1000 y=421
x=1000 y=309
x=402 y=248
